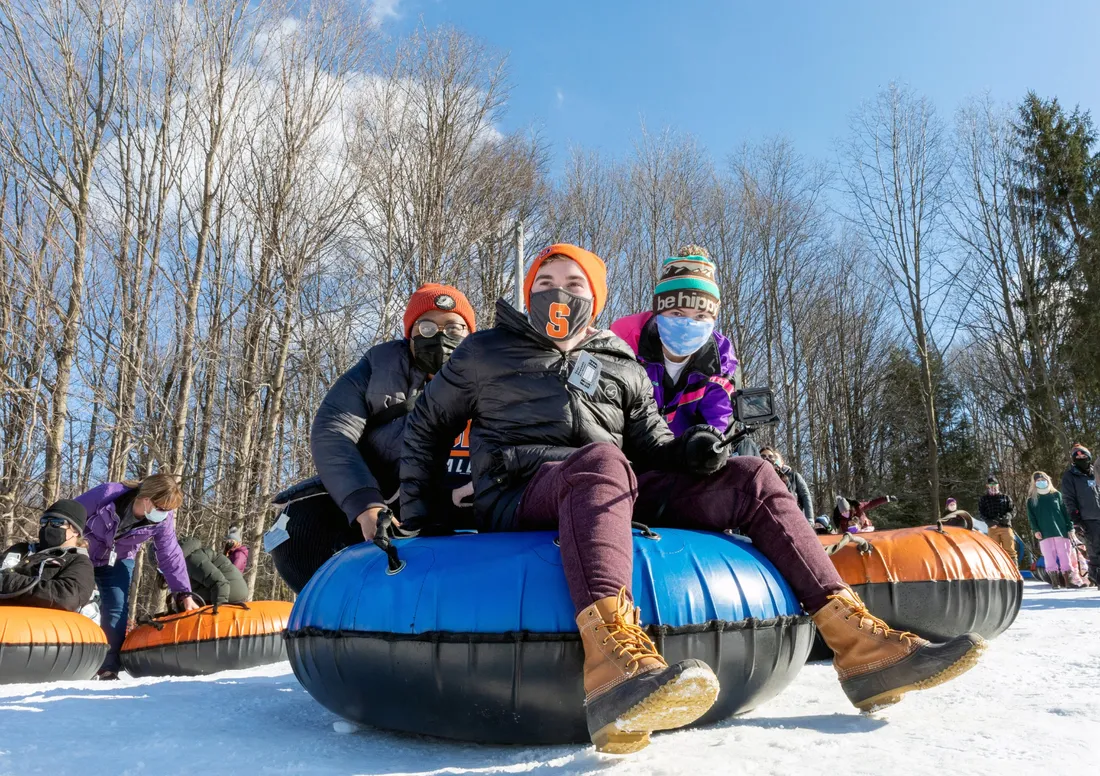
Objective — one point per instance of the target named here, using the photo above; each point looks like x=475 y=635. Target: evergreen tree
x=1061 y=189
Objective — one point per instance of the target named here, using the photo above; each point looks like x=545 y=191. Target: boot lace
x=631 y=640
x=859 y=609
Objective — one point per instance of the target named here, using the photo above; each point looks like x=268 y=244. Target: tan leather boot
x=629 y=688
x=877 y=664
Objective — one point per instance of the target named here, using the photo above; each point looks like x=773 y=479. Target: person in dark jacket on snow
x=1082 y=499
x=562 y=413
x=357 y=435
x=122 y=516
x=235 y=549
x=796 y=486
x=213 y=576
x=851 y=516
x=995 y=509
x=54 y=572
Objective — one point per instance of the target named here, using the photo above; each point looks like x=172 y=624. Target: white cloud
x=382 y=11
x=560 y=96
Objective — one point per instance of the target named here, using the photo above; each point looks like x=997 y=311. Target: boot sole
x=958 y=668
x=674 y=705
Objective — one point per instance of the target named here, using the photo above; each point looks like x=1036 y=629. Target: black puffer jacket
x=359 y=466
x=214 y=578
x=66 y=582
x=513 y=384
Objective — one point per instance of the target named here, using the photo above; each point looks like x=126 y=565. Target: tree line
x=210 y=208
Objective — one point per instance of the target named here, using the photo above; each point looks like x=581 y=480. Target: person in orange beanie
x=357 y=435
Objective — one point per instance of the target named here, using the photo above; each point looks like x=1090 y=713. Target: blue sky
x=585 y=72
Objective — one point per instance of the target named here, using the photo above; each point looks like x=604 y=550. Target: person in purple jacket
x=122 y=516
x=690 y=364
x=235 y=549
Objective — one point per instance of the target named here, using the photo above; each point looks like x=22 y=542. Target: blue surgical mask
x=156 y=515
x=683 y=336
x=1041 y=484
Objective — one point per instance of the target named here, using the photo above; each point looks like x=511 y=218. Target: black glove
x=703 y=451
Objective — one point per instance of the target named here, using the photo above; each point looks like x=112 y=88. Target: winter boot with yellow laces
x=629 y=688
x=876 y=664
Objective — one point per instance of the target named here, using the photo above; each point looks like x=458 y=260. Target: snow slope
x=1032 y=706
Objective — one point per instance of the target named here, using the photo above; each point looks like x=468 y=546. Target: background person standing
x=1046 y=513
x=996 y=510
x=1083 y=504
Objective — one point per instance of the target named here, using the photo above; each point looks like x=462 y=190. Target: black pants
x=1089 y=531
x=318 y=530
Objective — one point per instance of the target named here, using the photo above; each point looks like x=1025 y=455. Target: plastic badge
x=586 y=374
x=113 y=558
x=277 y=534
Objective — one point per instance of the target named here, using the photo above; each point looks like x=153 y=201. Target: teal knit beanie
x=687 y=280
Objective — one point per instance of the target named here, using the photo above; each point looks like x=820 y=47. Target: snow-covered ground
x=1031 y=706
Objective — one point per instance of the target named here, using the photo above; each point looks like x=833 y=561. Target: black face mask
x=557 y=314
x=1084 y=465
x=51 y=536
x=429 y=353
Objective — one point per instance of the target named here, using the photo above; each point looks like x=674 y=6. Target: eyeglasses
x=431 y=328
x=54 y=522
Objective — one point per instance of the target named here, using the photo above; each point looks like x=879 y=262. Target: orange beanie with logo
x=591 y=264
x=433 y=296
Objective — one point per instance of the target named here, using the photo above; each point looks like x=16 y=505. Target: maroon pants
x=592 y=496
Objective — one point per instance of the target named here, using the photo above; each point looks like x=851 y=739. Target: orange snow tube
x=207 y=640
x=935 y=581
x=47 y=645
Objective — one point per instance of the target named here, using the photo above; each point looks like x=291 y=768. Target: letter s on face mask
x=559 y=314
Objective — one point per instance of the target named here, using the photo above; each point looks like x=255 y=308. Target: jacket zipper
x=563 y=372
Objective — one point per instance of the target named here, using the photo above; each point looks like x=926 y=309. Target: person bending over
x=213 y=576
x=122 y=516
x=851 y=517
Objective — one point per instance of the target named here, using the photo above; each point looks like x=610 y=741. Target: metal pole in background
x=519 y=265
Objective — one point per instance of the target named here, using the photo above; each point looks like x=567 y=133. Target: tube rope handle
x=968 y=522
x=862 y=544
x=383 y=540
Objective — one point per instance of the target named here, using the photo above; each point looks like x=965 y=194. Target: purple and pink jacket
x=238 y=556
x=704 y=392
x=103 y=520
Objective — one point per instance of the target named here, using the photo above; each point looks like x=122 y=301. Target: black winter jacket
x=1080 y=495
x=67 y=579
x=513 y=383
x=214 y=578
x=996 y=509
x=359 y=463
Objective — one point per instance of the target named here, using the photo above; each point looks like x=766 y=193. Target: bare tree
x=896 y=171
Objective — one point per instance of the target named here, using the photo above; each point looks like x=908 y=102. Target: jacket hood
x=190 y=544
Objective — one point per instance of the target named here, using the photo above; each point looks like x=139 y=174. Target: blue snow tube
x=475 y=637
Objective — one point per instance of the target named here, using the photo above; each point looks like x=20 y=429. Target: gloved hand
x=703 y=451
x=891 y=499
x=853 y=529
